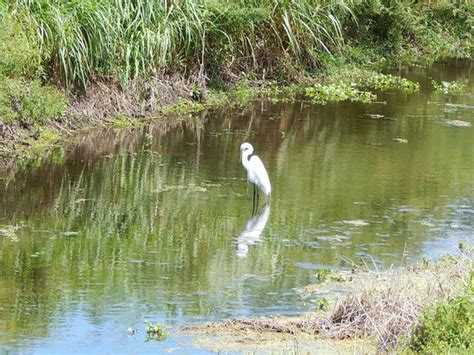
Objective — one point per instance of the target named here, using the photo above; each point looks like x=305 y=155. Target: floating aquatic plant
x=449 y=87
x=154 y=331
x=322 y=94
x=381 y=81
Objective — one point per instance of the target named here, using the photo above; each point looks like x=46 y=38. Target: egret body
x=256 y=172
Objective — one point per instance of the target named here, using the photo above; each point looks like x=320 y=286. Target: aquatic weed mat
x=378 y=308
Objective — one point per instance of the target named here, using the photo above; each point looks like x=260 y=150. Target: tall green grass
x=83 y=40
x=119 y=41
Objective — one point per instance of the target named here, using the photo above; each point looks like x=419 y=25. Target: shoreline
x=356 y=83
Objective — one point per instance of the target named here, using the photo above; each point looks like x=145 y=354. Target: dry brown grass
x=102 y=101
x=141 y=98
x=384 y=306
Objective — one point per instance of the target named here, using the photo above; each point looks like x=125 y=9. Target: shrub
x=29 y=101
x=447 y=326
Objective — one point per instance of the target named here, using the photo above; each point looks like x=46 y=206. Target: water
x=155 y=223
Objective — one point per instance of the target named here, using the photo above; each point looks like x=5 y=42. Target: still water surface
x=155 y=223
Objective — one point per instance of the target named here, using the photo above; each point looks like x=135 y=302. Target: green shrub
x=446 y=327
x=23 y=97
x=29 y=101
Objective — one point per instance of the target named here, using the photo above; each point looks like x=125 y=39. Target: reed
x=119 y=40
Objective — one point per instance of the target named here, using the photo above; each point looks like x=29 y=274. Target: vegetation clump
x=449 y=87
x=446 y=327
x=381 y=81
x=322 y=94
x=155 y=331
x=29 y=102
x=356 y=89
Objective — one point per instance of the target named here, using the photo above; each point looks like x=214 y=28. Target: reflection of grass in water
x=120 y=218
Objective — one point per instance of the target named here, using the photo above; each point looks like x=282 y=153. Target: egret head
x=245 y=148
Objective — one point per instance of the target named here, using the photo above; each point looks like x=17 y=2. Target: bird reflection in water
x=252 y=231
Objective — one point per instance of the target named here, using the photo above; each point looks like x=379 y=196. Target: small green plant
x=321 y=303
x=121 y=121
x=154 y=331
x=182 y=107
x=322 y=274
x=323 y=94
x=449 y=87
x=243 y=94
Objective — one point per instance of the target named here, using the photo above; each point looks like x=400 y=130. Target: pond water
x=155 y=223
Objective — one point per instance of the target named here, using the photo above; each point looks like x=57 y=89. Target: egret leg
x=254 y=200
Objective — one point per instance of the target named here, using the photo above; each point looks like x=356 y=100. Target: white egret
x=256 y=172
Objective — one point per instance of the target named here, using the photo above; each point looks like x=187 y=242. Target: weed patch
x=449 y=87
x=447 y=326
x=322 y=94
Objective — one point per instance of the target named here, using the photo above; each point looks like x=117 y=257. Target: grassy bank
x=428 y=308
x=66 y=63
